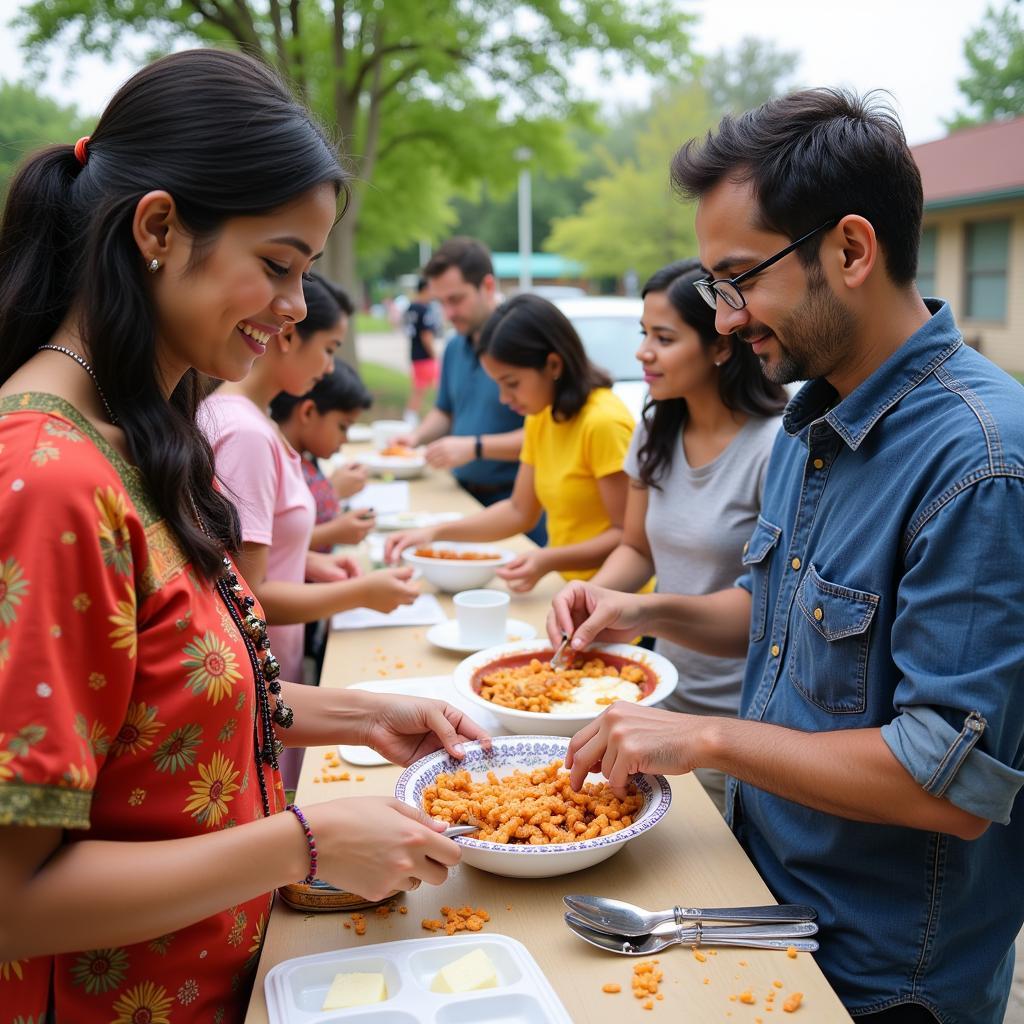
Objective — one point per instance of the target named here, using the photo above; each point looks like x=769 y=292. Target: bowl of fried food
x=452 y=566
x=532 y=825
x=395 y=460
x=516 y=683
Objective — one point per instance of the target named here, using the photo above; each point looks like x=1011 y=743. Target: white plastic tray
x=296 y=988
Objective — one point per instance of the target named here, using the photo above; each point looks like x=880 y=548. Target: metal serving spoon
x=764 y=937
x=459 y=830
x=618 y=918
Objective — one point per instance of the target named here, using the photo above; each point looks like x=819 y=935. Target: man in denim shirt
x=879 y=750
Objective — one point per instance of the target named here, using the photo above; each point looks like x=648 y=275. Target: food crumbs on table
x=648 y=1004
x=743 y=963
x=660 y=996
x=646 y=978
x=611 y=988
x=707 y=981
x=457 y=919
x=347 y=925
x=792 y=1003
x=403 y=910
x=777 y=983
x=791 y=952
x=360 y=923
x=360 y=778
x=698 y=955
x=747 y=997
x=732 y=999
x=399 y=664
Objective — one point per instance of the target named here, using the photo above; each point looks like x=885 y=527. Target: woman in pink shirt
x=262 y=474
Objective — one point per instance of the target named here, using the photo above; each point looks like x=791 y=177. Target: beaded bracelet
x=310 y=842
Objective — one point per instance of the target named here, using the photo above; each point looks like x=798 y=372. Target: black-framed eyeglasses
x=728 y=288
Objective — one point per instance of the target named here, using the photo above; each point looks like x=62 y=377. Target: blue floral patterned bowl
x=526 y=752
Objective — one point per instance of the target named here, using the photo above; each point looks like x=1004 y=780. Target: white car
x=609 y=327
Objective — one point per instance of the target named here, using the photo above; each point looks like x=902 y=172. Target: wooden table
x=690 y=858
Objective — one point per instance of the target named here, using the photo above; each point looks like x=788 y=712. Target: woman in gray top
x=696 y=466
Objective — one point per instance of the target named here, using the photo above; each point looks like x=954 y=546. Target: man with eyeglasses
x=879 y=753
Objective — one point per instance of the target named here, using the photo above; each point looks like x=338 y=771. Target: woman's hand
x=386 y=589
x=588 y=614
x=404 y=729
x=328 y=568
x=373 y=846
x=630 y=738
x=398 y=542
x=523 y=572
x=349 y=480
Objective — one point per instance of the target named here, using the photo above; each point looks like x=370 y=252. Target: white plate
x=296 y=988
x=446 y=634
x=414 y=520
x=396 y=466
x=359 y=432
x=439 y=687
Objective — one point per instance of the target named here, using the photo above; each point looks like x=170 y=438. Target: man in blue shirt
x=879 y=754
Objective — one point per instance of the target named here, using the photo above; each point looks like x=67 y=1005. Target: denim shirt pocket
x=830 y=638
x=755 y=559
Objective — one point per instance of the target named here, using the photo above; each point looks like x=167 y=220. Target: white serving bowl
x=400 y=467
x=451 y=574
x=552 y=723
x=509 y=753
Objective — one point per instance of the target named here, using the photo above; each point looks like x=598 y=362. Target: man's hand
x=523 y=572
x=450 y=452
x=588 y=614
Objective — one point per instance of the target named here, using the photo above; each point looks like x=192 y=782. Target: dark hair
x=524 y=331
x=742 y=385
x=473 y=259
x=813 y=156
x=421 y=283
x=341 y=390
x=325 y=303
x=188 y=124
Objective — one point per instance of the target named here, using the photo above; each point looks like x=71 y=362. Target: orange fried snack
x=793 y=1001
x=456 y=556
x=646 y=978
x=536 y=686
x=457 y=919
x=400 y=451
x=530 y=808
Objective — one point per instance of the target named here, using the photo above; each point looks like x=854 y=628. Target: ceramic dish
x=399 y=467
x=452 y=574
x=446 y=636
x=507 y=754
x=359 y=433
x=662 y=678
x=296 y=988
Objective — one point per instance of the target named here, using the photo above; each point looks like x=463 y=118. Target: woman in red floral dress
x=142 y=822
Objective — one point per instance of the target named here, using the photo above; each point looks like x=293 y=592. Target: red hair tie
x=80 y=151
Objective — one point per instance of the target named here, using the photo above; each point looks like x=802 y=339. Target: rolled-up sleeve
x=958 y=642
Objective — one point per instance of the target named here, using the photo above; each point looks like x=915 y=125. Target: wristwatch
x=478 y=448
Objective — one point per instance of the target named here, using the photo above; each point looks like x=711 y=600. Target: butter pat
x=467 y=974
x=355 y=990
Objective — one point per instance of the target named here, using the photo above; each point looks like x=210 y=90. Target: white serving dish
x=398 y=466
x=413 y=520
x=359 y=433
x=451 y=575
x=438 y=687
x=296 y=988
x=552 y=723
x=446 y=636
x=507 y=754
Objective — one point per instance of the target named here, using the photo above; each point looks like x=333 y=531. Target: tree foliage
x=428 y=96
x=994 y=86
x=29 y=121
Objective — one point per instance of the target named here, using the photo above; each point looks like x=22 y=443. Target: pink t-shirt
x=262 y=474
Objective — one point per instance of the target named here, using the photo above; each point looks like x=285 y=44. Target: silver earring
x=153 y=266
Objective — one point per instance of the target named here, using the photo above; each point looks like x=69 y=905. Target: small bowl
x=662 y=679
x=525 y=752
x=397 y=466
x=451 y=574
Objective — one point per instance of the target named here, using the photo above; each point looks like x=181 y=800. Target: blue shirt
x=886 y=575
x=470 y=397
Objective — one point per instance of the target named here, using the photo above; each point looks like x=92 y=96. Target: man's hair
x=812 y=156
x=473 y=258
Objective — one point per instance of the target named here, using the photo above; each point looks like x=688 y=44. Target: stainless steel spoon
x=764 y=937
x=459 y=830
x=621 y=918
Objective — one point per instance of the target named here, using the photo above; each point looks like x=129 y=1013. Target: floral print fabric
x=129 y=707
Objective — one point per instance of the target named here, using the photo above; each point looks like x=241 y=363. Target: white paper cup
x=385 y=431
x=482 y=616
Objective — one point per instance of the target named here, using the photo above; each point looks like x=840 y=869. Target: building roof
x=981 y=164
x=543 y=266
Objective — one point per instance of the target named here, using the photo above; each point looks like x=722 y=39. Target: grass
x=1020 y=377
x=390 y=390
x=366 y=324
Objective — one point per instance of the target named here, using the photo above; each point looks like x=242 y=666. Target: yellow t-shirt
x=568 y=459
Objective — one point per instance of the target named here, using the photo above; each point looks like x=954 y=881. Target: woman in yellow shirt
x=575 y=441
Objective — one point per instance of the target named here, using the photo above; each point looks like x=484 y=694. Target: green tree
x=994 y=86
x=429 y=96
x=747 y=76
x=29 y=121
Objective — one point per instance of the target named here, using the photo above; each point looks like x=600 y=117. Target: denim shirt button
x=819 y=463
x=775 y=650
x=795 y=563
x=818 y=614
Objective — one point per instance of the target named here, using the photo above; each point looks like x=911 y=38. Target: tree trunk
x=340 y=266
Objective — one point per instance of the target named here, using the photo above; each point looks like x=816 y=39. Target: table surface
x=691 y=858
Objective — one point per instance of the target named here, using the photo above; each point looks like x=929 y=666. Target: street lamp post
x=523 y=155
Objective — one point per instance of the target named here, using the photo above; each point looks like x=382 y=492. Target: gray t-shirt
x=697 y=523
